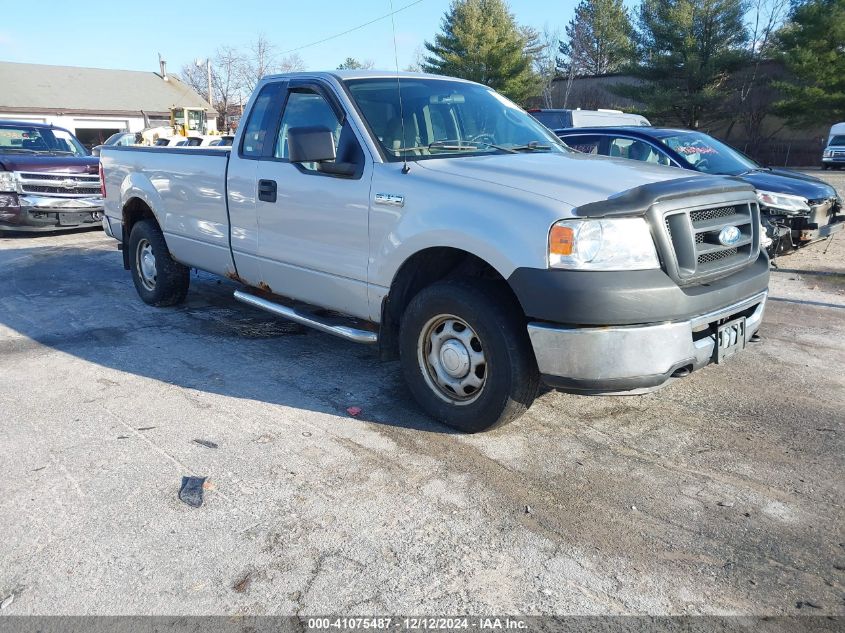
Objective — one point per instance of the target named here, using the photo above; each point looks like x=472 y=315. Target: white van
x=560 y=119
x=833 y=155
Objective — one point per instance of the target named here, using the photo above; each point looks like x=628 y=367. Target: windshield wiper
x=18 y=149
x=457 y=145
x=533 y=146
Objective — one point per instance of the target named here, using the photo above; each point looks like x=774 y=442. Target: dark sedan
x=796 y=208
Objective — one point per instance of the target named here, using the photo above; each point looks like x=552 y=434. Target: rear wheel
x=159 y=279
x=466 y=356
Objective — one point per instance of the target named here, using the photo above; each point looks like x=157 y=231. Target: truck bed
x=189 y=186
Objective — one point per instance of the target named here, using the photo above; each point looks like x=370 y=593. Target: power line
x=360 y=26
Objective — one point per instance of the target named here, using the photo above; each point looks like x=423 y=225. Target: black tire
x=497 y=332
x=171 y=279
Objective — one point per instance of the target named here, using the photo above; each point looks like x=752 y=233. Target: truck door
x=242 y=179
x=313 y=217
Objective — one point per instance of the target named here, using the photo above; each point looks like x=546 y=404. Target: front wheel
x=159 y=279
x=466 y=355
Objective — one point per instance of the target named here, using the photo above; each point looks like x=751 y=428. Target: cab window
x=634 y=149
x=307 y=107
x=584 y=143
x=252 y=145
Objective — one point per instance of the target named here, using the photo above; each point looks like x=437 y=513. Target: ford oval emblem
x=729 y=236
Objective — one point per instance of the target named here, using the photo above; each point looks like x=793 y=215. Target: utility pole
x=208 y=70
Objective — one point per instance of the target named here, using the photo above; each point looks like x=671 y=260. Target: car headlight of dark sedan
x=783 y=202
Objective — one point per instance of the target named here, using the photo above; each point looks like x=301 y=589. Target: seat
x=33 y=144
x=393 y=138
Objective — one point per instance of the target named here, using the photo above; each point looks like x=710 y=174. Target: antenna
x=405 y=167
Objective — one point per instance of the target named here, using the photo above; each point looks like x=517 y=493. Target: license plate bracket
x=730 y=339
x=72 y=219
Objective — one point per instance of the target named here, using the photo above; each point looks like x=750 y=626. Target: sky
x=129 y=36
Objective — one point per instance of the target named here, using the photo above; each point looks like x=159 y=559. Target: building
x=94 y=103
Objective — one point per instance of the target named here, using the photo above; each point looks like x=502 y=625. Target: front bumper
x=618 y=359
x=32 y=213
x=821 y=232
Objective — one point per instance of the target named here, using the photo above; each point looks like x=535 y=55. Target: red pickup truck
x=48 y=180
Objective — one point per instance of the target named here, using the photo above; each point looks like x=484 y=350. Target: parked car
x=202 y=141
x=558 y=119
x=48 y=180
x=223 y=141
x=797 y=208
x=463 y=238
x=171 y=141
x=119 y=138
x=833 y=155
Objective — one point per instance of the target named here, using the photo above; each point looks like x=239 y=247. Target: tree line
x=690 y=62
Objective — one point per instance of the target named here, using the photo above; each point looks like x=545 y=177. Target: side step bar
x=305 y=318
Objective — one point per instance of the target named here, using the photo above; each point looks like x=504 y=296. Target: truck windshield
x=839 y=139
x=446 y=118
x=707 y=155
x=36 y=140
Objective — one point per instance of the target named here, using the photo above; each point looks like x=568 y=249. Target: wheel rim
x=452 y=359
x=146 y=264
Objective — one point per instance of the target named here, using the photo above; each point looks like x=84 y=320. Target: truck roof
x=363 y=74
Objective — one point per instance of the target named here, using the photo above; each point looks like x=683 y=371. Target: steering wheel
x=703 y=165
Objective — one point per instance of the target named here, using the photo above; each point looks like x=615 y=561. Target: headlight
x=827 y=153
x=8 y=182
x=782 y=201
x=607 y=244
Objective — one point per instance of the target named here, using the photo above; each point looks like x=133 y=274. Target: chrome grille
x=694 y=237
x=88 y=191
x=60 y=185
x=714 y=257
x=711 y=214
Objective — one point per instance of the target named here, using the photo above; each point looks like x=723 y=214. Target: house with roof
x=94 y=103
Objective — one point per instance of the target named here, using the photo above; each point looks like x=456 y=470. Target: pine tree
x=812 y=51
x=599 y=39
x=351 y=63
x=481 y=41
x=688 y=50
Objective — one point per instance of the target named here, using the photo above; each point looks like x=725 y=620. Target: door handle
x=267 y=190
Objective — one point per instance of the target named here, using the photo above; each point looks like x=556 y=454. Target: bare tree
x=259 y=61
x=417 y=60
x=545 y=62
x=764 y=18
x=226 y=79
x=291 y=63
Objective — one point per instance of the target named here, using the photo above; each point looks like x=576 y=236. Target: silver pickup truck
x=453 y=230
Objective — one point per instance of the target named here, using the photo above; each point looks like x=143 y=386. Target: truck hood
x=573 y=179
x=48 y=164
x=791 y=182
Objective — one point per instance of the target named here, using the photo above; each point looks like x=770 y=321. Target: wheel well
x=419 y=271
x=133 y=211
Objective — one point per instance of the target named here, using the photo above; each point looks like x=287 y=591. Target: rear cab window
x=553 y=120
x=260 y=118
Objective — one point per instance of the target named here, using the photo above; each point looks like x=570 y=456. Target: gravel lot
x=720 y=494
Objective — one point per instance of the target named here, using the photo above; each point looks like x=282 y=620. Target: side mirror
x=310 y=144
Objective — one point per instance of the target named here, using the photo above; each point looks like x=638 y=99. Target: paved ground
x=722 y=493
